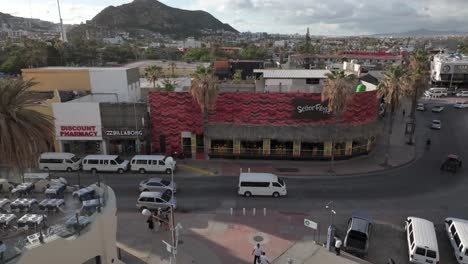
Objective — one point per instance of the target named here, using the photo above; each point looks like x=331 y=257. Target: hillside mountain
x=21 y=23
x=153 y=16
x=423 y=33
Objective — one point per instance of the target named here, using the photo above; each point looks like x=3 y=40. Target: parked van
x=436 y=92
x=104 y=163
x=153 y=163
x=422 y=241
x=261 y=184
x=457 y=231
x=59 y=161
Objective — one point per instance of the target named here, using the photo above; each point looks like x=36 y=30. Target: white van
x=104 y=163
x=436 y=92
x=422 y=241
x=59 y=161
x=261 y=184
x=152 y=163
x=457 y=232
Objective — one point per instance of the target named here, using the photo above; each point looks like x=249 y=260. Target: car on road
x=157 y=184
x=462 y=94
x=436 y=92
x=457 y=232
x=358 y=233
x=156 y=200
x=59 y=161
x=460 y=105
x=452 y=163
x=152 y=163
x=266 y=184
x=437 y=109
x=420 y=107
x=422 y=241
x=436 y=124
x=95 y=163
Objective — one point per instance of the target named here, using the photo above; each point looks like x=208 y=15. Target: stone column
x=349 y=148
x=296 y=148
x=327 y=147
x=266 y=147
x=369 y=144
x=194 y=146
x=236 y=146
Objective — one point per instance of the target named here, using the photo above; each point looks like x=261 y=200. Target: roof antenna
x=63 y=34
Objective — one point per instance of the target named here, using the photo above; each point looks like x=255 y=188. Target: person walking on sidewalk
x=264 y=259
x=404 y=112
x=338 y=244
x=150 y=223
x=257 y=252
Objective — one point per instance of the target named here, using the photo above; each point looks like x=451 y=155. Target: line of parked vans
x=422 y=240
x=60 y=161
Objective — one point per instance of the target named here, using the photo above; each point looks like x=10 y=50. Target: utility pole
x=64 y=34
x=331 y=229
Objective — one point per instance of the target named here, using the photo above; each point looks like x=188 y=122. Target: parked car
x=460 y=105
x=422 y=241
x=437 y=109
x=59 y=161
x=105 y=163
x=156 y=200
x=436 y=124
x=462 y=94
x=420 y=107
x=157 y=184
x=452 y=163
x=358 y=234
x=457 y=232
x=153 y=163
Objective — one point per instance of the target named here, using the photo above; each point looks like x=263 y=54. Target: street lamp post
x=331 y=229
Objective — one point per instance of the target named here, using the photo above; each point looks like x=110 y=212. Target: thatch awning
x=311 y=132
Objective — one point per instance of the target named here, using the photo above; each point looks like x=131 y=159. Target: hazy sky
x=330 y=17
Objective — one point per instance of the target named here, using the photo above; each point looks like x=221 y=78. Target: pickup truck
x=358 y=234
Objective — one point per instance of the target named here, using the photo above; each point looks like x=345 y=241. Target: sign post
x=314 y=226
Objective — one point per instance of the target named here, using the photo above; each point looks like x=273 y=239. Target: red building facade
x=264 y=125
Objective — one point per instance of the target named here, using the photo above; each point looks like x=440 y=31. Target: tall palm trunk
x=335 y=132
x=414 y=101
x=389 y=136
x=205 y=136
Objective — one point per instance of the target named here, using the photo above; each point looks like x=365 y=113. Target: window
x=255 y=184
x=165 y=182
x=420 y=251
x=312 y=81
x=75 y=159
x=106 y=162
x=142 y=162
x=411 y=238
x=457 y=240
x=159 y=200
x=155 y=162
x=133 y=161
x=410 y=228
x=69 y=161
x=162 y=163
x=275 y=184
x=431 y=253
x=93 y=161
x=453 y=230
x=460 y=248
x=119 y=160
x=147 y=199
x=113 y=162
x=154 y=184
x=51 y=161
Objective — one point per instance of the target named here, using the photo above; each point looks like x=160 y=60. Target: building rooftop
x=77 y=68
x=451 y=57
x=293 y=74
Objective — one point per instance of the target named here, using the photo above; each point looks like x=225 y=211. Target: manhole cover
x=258 y=238
x=287 y=169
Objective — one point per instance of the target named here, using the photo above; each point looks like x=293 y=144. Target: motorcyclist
x=428 y=142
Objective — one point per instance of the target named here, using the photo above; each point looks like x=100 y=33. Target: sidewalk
x=400 y=154
x=225 y=239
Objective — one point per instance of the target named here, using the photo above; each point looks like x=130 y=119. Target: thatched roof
x=311 y=132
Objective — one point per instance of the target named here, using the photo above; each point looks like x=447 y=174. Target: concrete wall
x=115 y=81
x=98 y=239
x=49 y=79
x=77 y=114
x=292 y=85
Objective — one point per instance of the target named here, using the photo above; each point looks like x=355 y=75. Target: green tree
x=308 y=46
x=169 y=85
x=253 y=52
x=204 y=89
x=153 y=73
x=25 y=133
x=337 y=91
x=392 y=90
x=237 y=77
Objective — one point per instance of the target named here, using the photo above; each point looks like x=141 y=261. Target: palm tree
x=153 y=73
x=173 y=66
x=204 y=89
x=392 y=90
x=416 y=81
x=25 y=133
x=337 y=91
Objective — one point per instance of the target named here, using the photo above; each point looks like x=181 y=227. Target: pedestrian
x=257 y=252
x=150 y=223
x=338 y=246
x=2 y=250
x=404 y=112
x=264 y=259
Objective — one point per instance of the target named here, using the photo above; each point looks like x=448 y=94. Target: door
x=161 y=165
x=162 y=143
x=265 y=188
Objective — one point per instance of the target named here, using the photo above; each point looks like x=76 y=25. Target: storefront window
x=82 y=147
x=312 y=149
x=340 y=149
x=222 y=147
x=253 y=148
x=281 y=148
x=124 y=147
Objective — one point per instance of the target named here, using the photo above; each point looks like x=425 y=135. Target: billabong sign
x=311 y=109
x=124 y=133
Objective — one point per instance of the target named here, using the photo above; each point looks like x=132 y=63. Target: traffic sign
x=310 y=223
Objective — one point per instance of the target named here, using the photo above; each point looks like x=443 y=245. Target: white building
x=120 y=81
x=309 y=81
x=449 y=70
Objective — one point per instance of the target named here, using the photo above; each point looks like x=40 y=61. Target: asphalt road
x=420 y=189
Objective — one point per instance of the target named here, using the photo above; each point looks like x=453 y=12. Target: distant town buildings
x=450 y=70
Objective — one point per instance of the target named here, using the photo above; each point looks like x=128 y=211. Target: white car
x=156 y=200
x=462 y=94
x=420 y=107
x=436 y=124
x=460 y=105
x=437 y=109
x=157 y=185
